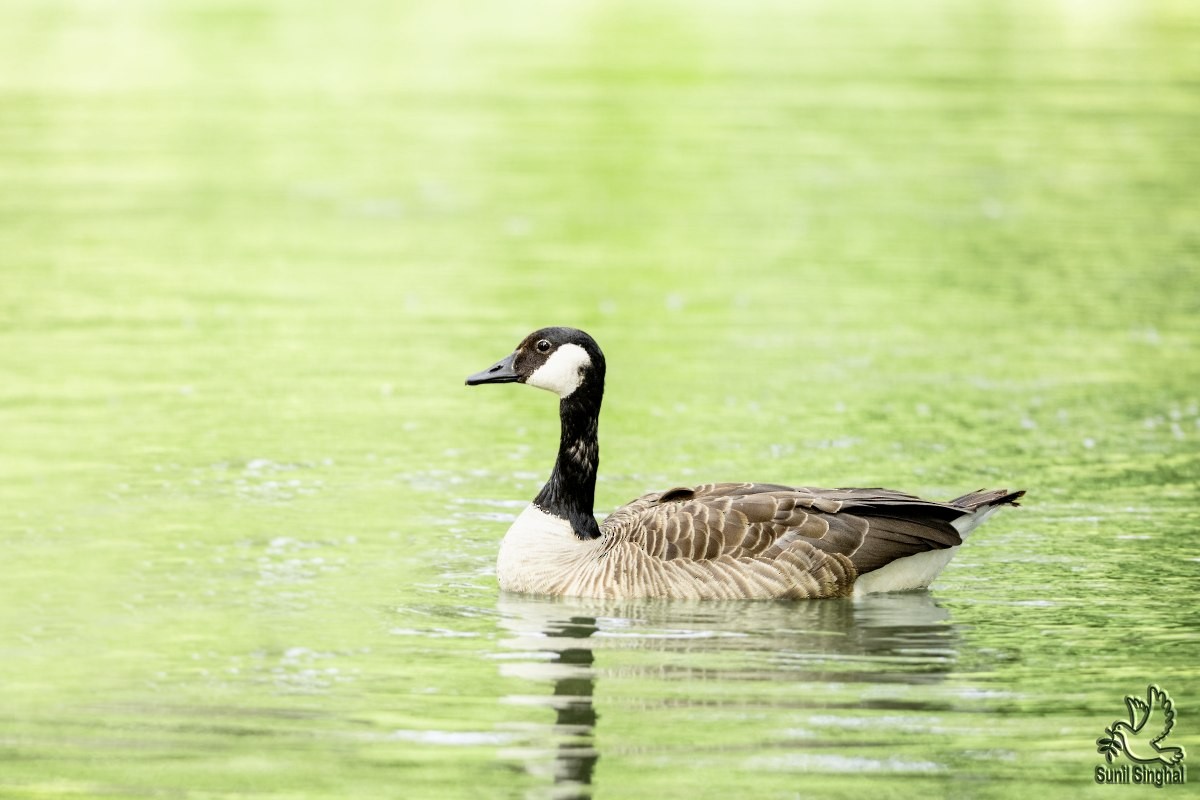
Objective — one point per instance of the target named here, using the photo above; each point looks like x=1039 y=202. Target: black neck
x=571 y=490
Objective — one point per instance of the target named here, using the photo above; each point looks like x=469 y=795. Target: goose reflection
x=883 y=639
x=576 y=716
x=545 y=630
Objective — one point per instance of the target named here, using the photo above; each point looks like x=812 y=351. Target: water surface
x=249 y=513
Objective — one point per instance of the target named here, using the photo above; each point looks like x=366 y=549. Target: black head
x=559 y=360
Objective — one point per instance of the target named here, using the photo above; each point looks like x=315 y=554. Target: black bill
x=500 y=372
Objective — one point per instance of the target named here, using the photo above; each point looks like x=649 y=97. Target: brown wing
x=871 y=527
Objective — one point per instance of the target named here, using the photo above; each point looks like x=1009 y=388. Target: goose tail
x=973 y=501
x=919 y=570
x=982 y=504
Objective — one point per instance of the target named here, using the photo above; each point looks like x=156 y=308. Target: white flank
x=563 y=371
x=910 y=572
x=918 y=571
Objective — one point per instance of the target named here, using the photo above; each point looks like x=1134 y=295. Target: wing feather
x=872 y=527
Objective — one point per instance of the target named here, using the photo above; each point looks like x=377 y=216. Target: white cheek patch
x=563 y=371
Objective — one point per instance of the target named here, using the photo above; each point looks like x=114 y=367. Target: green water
x=249 y=514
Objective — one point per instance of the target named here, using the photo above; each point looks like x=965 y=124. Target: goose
x=752 y=541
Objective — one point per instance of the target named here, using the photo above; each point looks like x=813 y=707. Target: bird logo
x=1140 y=738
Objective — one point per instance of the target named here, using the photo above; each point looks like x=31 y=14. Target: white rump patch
x=563 y=371
x=918 y=571
x=970 y=522
x=911 y=572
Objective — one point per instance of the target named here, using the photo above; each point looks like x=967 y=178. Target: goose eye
x=543 y=346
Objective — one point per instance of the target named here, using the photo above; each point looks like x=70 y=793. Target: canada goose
x=716 y=540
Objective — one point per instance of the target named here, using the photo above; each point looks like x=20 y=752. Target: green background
x=249 y=514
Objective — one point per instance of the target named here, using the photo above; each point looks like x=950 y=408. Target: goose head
x=565 y=361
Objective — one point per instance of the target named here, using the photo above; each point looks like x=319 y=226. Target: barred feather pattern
x=734 y=541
